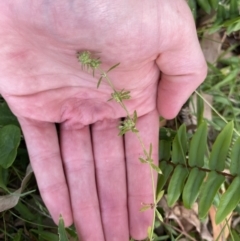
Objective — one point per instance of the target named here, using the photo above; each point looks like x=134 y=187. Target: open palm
x=88 y=173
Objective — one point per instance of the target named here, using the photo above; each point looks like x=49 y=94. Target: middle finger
x=111 y=179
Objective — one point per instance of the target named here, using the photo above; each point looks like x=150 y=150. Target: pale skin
x=87 y=173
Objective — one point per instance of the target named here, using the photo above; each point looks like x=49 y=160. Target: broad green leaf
x=204 y=4
x=235 y=236
x=234 y=10
x=61 y=230
x=214 y=4
x=6 y=116
x=198 y=146
x=176 y=184
x=166 y=169
x=193 y=6
x=179 y=146
x=233 y=28
x=3 y=178
x=167 y=134
x=10 y=137
x=208 y=191
x=159 y=196
x=235 y=158
x=220 y=148
x=45 y=235
x=164 y=150
x=221 y=14
x=192 y=187
x=231 y=21
x=229 y=200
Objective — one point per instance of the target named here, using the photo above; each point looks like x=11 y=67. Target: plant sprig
x=88 y=61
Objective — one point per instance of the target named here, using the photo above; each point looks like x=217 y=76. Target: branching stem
x=129 y=124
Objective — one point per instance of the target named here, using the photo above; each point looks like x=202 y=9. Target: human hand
x=89 y=174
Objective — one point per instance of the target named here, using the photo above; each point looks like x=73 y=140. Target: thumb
x=182 y=64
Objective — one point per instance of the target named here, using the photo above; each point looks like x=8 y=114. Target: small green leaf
x=164 y=150
x=179 y=147
x=150 y=150
x=208 y=191
x=200 y=110
x=10 y=137
x=159 y=196
x=198 y=146
x=214 y=4
x=113 y=67
x=221 y=13
x=18 y=235
x=167 y=134
x=61 y=230
x=156 y=168
x=166 y=171
x=142 y=160
x=229 y=200
x=204 y=4
x=99 y=81
x=220 y=148
x=145 y=208
x=149 y=231
x=176 y=184
x=235 y=158
x=159 y=215
x=234 y=10
x=192 y=187
x=193 y=6
x=135 y=116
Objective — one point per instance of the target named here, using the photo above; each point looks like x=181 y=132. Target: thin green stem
x=86 y=60
x=104 y=75
x=155 y=204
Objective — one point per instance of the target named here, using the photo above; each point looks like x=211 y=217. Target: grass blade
x=61 y=230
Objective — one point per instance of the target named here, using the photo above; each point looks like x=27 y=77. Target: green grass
x=30 y=220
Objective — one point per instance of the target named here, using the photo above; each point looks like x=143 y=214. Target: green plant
x=88 y=61
x=198 y=167
x=224 y=13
